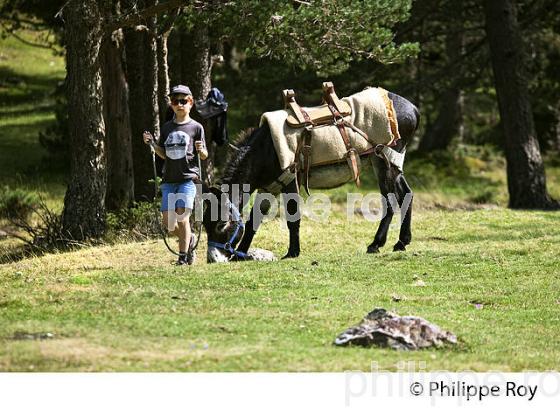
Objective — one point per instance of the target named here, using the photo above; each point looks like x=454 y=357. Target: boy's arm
x=150 y=140
x=159 y=150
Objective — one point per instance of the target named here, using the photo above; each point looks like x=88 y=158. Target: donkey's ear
x=207 y=189
x=215 y=190
x=204 y=188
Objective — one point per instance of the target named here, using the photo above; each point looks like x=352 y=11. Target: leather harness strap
x=306 y=149
x=306 y=116
x=357 y=130
x=286 y=177
x=351 y=156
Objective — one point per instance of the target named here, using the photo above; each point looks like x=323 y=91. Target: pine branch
x=167 y=25
x=139 y=17
x=12 y=32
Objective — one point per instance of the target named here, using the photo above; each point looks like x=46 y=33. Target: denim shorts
x=177 y=195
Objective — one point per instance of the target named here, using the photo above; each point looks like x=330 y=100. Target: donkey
x=256 y=163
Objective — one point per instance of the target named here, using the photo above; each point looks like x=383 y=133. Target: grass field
x=126 y=308
x=491 y=275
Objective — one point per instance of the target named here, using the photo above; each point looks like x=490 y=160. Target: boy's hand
x=203 y=154
x=148 y=138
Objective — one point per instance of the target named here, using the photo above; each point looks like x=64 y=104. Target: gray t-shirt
x=181 y=157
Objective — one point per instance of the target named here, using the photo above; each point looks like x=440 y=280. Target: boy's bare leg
x=184 y=229
x=184 y=236
x=170 y=224
x=180 y=227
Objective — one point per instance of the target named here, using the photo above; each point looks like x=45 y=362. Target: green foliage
x=487 y=196
x=17 y=203
x=37 y=226
x=319 y=35
x=326 y=36
x=33 y=15
x=140 y=221
x=545 y=86
x=468 y=172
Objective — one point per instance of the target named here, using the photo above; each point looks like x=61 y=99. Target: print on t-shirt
x=176 y=144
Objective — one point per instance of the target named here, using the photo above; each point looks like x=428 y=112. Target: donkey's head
x=223 y=224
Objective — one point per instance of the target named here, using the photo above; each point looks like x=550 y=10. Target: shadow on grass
x=20 y=151
x=17 y=88
x=43 y=108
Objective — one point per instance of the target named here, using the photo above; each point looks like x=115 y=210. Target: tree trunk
x=141 y=69
x=163 y=65
x=120 y=177
x=196 y=66
x=83 y=216
x=449 y=122
x=174 y=56
x=525 y=169
x=163 y=76
x=197 y=74
x=556 y=136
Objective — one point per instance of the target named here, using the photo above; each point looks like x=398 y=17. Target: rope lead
x=156 y=190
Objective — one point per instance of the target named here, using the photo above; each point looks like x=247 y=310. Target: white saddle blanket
x=372 y=112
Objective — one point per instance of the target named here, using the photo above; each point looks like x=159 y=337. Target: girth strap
x=390 y=156
x=285 y=178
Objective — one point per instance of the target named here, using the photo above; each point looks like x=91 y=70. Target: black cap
x=180 y=89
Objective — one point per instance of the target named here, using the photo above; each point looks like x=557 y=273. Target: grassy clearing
x=126 y=308
x=29 y=76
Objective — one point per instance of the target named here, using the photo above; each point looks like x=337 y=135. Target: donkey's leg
x=293 y=218
x=386 y=179
x=253 y=224
x=405 y=197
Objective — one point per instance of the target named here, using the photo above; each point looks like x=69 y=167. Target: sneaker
x=182 y=260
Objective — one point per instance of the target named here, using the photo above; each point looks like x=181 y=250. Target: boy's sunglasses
x=182 y=101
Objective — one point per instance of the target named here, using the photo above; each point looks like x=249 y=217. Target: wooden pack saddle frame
x=332 y=112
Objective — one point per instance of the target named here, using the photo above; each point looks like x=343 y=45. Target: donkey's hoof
x=399 y=247
x=290 y=255
x=373 y=249
x=239 y=258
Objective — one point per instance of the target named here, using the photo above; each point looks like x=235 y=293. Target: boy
x=181 y=141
